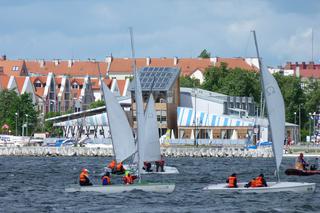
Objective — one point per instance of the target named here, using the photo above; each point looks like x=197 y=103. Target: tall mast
x=262 y=88
x=136 y=88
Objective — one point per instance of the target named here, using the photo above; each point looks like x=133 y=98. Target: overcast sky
x=94 y=29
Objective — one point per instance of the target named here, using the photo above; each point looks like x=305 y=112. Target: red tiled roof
x=124 y=65
x=4 y=80
x=121 y=85
x=95 y=84
x=236 y=63
x=78 y=68
x=20 y=82
x=189 y=65
x=42 y=79
x=12 y=67
x=79 y=81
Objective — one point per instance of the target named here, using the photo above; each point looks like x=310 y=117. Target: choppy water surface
x=29 y=184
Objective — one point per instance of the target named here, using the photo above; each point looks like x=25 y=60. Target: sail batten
x=121 y=132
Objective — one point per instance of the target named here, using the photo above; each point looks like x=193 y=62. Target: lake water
x=34 y=184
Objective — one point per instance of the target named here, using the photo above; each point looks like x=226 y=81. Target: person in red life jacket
x=120 y=169
x=232 y=181
x=106 y=180
x=112 y=166
x=160 y=164
x=84 y=178
x=257 y=182
x=128 y=178
x=147 y=166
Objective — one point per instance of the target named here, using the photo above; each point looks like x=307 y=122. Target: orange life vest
x=257 y=182
x=83 y=177
x=128 y=179
x=120 y=167
x=112 y=164
x=232 y=182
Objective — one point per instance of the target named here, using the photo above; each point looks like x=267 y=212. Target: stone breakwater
x=106 y=152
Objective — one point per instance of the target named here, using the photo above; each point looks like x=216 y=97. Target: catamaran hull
x=146 y=187
x=167 y=170
x=272 y=187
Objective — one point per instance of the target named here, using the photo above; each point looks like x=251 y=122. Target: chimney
x=108 y=59
x=3 y=57
x=311 y=65
x=70 y=63
x=56 y=62
x=42 y=63
x=303 y=65
x=175 y=61
x=148 y=59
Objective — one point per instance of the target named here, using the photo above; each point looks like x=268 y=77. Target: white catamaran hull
x=167 y=170
x=147 y=187
x=272 y=187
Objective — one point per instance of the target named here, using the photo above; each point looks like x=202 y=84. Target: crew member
x=120 y=169
x=105 y=179
x=147 y=166
x=128 y=178
x=84 y=178
x=232 y=181
x=301 y=164
x=160 y=164
x=112 y=166
x=257 y=182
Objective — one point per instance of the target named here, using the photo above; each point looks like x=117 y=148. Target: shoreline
x=174 y=151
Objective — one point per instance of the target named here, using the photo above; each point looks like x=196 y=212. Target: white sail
x=121 y=133
x=150 y=144
x=276 y=113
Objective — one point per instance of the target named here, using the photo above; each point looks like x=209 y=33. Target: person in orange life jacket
x=147 y=166
x=120 y=168
x=106 y=180
x=112 y=166
x=160 y=164
x=257 y=182
x=128 y=178
x=232 y=181
x=84 y=178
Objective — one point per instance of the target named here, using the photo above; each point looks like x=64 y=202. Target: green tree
x=234 y=82
x=96 y=104
x=187 y=81
x=18 y=110
x=205 y=54
x=48 y=125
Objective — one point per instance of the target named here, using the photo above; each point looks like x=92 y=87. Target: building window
x=15 y=68
x=37 y=84
x=75 y=85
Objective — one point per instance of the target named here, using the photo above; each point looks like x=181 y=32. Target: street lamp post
x=310 y=126
x=27 y=124
x=16 y=123
x=295 y=117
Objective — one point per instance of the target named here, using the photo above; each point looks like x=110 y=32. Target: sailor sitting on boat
x=257 y=182
x=301 y=164
x=84 y=178
x=106 y=180
x=160 y=164
x=128 y=178
x=232 y=181
x=147 y=166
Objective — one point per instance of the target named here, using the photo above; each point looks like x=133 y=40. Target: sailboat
x=123 y=142
x=150 y=144
x=276 y=118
